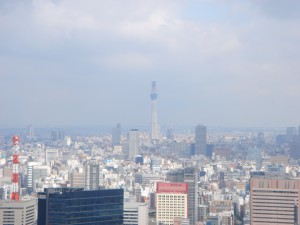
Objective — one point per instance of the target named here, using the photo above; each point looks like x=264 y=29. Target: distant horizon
x=145 y=127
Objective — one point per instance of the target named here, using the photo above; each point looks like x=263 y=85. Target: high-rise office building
x=29 y=132
x=154 y=123
x=200 y=140
x=274 y=200
x=189 y=175
x=72 y=206
x=171 y=202
x=92 y=175
x=29 y=182
x=133 y=143
x=18 y=212
x=116 y=135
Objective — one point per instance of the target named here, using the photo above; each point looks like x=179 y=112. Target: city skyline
x=208 y=177
x=216 y=63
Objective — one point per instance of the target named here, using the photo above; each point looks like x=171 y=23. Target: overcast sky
x=91 y=62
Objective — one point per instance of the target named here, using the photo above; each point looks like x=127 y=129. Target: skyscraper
x=190 y=176
x=133 y=143
x=154 y=123
x=29 y=132
x=62 y=206
x=116 y=135
x=92 y=175
x=200 y=140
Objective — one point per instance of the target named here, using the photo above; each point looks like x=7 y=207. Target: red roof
x=163 y=187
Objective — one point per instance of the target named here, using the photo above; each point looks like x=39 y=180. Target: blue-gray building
x=61 y=206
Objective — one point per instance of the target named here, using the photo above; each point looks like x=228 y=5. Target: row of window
x=275 y=191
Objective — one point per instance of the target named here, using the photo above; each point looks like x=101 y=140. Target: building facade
x=51 y=154
x=92 y=175
x=62 y=206
x=18 y=212
x=29 y=181
x=135 y=213
x=274 y=201
x=38 y=172
x=77 y=179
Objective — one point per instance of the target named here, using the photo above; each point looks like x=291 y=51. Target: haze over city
x=221 y=63
x=149 y=112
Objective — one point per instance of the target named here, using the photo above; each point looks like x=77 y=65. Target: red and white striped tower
x=15 y=176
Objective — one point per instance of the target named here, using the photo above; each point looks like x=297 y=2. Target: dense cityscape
x=205 y=176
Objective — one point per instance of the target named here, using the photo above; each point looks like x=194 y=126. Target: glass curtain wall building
x=75 y=206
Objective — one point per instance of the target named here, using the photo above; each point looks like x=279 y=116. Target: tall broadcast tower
x=15 y=176
x=154 y=124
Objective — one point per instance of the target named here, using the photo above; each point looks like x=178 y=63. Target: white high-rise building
x=18 y=212
x=30 y=166
x=154 y=123
x=133 y=143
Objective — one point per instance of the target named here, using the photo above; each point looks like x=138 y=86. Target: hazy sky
x=84 y=62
